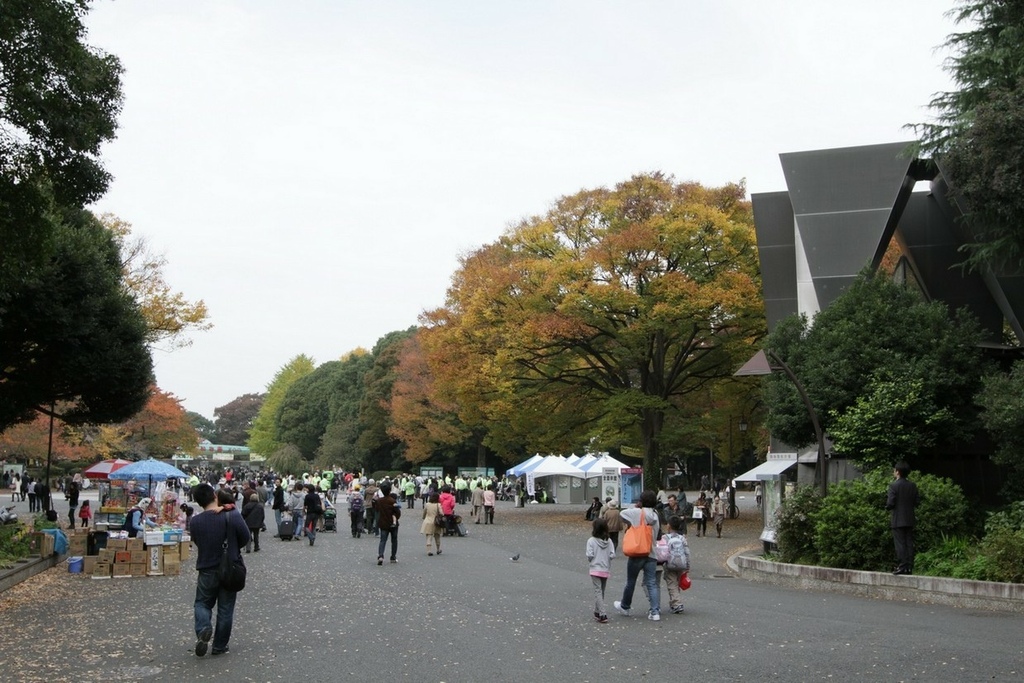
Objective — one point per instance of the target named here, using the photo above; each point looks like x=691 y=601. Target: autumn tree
x=263 y=436
x=421 y=420
x=30 y=440
x=234 y=419
x=169 y=315
x=618 y=303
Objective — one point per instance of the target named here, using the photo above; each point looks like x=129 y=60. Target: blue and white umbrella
x=151 y=469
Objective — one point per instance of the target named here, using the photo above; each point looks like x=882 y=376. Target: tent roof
x=766 y=470
x=554 y=465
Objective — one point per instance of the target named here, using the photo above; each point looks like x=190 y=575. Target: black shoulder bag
x=231 y=573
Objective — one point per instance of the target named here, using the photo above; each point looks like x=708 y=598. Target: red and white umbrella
x=102 y=470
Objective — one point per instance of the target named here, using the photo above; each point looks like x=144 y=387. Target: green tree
x=1002 y=402
x=263 y=436
x=203 y=425
x=604 y=315
x=977 y=135
x=878 y=340
x=303 y=416
x=381 y=449
x=59 y=101
x=73 y=334
x=234 y=419
x=340 y=443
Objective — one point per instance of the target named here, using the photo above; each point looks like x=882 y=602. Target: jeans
x=311 y=522
x=277 y=518
x=298 y=519
x=208 y=592
x=649 y=566
x=384 y=534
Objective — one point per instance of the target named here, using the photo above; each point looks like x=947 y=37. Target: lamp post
x=765 y=362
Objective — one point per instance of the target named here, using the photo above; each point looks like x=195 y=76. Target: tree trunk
x=653 y=421
x=481 y=451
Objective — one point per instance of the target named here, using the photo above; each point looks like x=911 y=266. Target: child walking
x=677 y=563
x=600 y=552
x=85 y=514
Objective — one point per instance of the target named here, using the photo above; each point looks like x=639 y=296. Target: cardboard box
x=106 y=555
x=116 y=544
x=155 y=567
x=121 y=570
x=137 y=568
x=184 y=550
x=172 y=569
x=122 y=557
x=139 y=556
x=77 y=544
x=102 y=570
x=88 y=564
x=135 y=544
x=154 y=538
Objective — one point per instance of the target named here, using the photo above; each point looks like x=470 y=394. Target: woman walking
x=429 y=527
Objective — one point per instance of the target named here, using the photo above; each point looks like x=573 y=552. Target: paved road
x=329 y=613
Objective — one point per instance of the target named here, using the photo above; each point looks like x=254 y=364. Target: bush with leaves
x=958 y=557
x=794 y=531
x=849 y=528
x=1003 y=549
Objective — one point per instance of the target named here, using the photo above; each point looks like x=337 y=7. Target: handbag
x=230 y=573
x=637 y=540
x=698 y=513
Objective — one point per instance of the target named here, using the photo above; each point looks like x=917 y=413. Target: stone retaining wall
x=24 y=569
x=987 y=595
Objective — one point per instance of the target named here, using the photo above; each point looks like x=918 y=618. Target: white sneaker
x=618 y=608
x=654 y=616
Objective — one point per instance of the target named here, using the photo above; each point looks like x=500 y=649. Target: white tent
x=554 y=465
x=521 y=468
x=595 y=468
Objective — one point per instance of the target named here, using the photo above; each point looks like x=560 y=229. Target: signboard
x=431 y=472
x=631 y=483
x=476 y=471
x=609 y=484
x=530 y=491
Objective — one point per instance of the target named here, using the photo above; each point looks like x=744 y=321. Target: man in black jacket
x=901 y=501
x=388 y=513
x=209 y=529
x=278 y=505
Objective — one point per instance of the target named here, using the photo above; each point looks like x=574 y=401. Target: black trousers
x=903 y=539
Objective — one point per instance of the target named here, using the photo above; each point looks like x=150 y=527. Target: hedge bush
x=849 y=528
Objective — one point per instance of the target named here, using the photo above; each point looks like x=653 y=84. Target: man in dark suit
x=901 y=501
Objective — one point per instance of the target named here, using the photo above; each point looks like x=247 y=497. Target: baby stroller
x=330 y=518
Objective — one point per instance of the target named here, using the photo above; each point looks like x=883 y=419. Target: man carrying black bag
x=209 y=530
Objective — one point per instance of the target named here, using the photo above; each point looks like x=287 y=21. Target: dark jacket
x=386 y=511
x=901 y=501
x=253 y=514
x=208 y=528
x=278 y=498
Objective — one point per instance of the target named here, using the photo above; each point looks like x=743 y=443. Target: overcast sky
x=313 y=170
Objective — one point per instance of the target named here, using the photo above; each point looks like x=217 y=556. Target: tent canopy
x=554 y=465
x=595 y=467
x=520 y=469
x=102 y=469
x=766 y=470
x=151 y=469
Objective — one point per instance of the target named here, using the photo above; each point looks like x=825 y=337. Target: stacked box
x=122 y=570
x=89 y=564
x=137 y=569
x=184 y=550
x=135 y=544
x=139 y=556
x=154 y=538
x=116 y=544
x=77 y=545
x=172 y=561
x=102 y=570
x=156 y=560
x=106 y=555
x=122 y=557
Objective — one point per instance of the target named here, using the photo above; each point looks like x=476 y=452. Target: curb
x=935 y=590
x=25 y=569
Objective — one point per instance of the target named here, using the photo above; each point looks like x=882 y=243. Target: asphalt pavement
x=328 y=612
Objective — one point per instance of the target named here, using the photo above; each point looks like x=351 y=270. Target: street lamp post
x=765 y=362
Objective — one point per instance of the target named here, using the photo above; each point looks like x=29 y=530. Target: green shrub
x=794 y=531
x=1009 y=519
x=1003 y=549
x=14 y=543
x=852 y=526
x=958 y=557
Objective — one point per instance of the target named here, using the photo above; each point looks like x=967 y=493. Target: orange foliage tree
x=603 y=317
